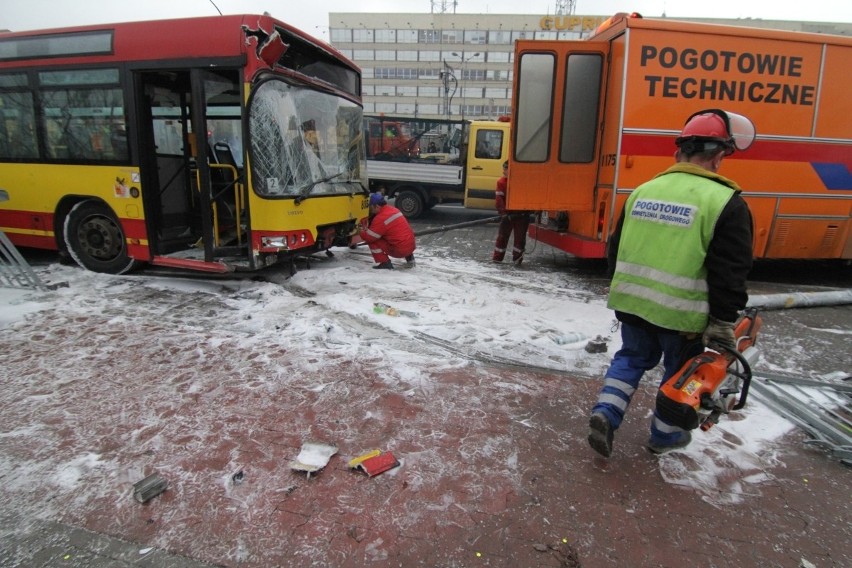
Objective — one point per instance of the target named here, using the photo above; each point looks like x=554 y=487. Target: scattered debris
x=148 y=488
x=566 y=338
x=820 y=407
x=380 y=308
x=596 y=345
x=313 y=457
x=374 y=462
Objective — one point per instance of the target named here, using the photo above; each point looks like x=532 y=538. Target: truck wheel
x=95 y=239
x=410 y=203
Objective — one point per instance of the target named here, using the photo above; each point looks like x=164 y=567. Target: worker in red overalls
x=389 y=234
x=517 y=221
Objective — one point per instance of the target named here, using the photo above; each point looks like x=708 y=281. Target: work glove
x=720 y=333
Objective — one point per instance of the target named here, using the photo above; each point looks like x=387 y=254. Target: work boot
x=600 y=434
x=386 y=265
x=409 y=261
x=659 y=448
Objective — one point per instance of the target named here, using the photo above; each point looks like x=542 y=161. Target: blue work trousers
x=641 y=351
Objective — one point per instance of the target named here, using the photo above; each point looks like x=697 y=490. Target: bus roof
x=214 y=36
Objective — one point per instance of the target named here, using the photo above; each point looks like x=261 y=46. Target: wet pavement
x=494 y=465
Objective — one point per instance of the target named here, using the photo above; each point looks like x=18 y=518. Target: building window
x=346 y=53
x=362 y=36
x=369 y=107
x=364 y=54
x=429 y=91
x=473 y=75
x=500 y=37
x=498 y=57
x=341 y=35
x=406 y=55
x=385 y=90
x=385 y=55
x=430 y=56
x=427 y=109
x=475 y=36
x=367 y=73
x=385 y=36
x=545 y=34
x=406 y=36
x=428 y=73
x=406 y=91
x=493 y=93
x=429 y=36
x=452 y=36
x=521 y=35
x=389 y=108
x=406 y=108
x=368 y=90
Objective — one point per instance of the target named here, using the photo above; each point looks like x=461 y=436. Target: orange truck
x=594 y=119
x=389 y=139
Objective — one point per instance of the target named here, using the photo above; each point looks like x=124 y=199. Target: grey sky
x=312 y=17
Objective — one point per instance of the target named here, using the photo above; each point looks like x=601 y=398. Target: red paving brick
x=495 y=469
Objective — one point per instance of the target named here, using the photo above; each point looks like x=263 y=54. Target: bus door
x=191 y=161
x=557 y=116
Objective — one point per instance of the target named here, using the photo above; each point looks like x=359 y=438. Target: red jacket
x=391 y=225
x=500 y=195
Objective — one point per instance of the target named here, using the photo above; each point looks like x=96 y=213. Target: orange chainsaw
x=712 y=383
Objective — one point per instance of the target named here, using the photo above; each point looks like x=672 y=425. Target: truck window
x=580 y=107
x=535 y=99
x=489 y=144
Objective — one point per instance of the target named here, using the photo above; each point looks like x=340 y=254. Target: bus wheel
x=410 y=203
x=95 y=239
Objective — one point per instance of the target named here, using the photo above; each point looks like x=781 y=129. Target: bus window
x=535 y=98
x=304 y=142
x=17 y=124
x=580 y=108
x=85 y=122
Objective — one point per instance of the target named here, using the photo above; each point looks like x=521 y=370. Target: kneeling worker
x=389 y=234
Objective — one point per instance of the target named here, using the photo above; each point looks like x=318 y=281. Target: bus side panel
x=28 y=217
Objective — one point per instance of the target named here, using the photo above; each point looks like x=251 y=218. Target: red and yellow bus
x=215 y=144
x=594 y=119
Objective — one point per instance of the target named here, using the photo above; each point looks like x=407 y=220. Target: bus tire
x=410 y=203
x=96 y=240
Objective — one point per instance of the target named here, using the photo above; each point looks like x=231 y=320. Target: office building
x=460 y=65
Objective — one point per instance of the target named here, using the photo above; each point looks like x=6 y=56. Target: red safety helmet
x=715 y=128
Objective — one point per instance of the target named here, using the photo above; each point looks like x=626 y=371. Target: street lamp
x=463 y=61
x=447 y=76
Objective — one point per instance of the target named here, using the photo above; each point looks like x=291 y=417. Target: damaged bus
x=217 y=144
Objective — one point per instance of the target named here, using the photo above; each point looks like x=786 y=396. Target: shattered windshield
x=304 y=142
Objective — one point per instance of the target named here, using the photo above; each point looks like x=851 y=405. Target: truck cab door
x=487 y=150
x=557 y=112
